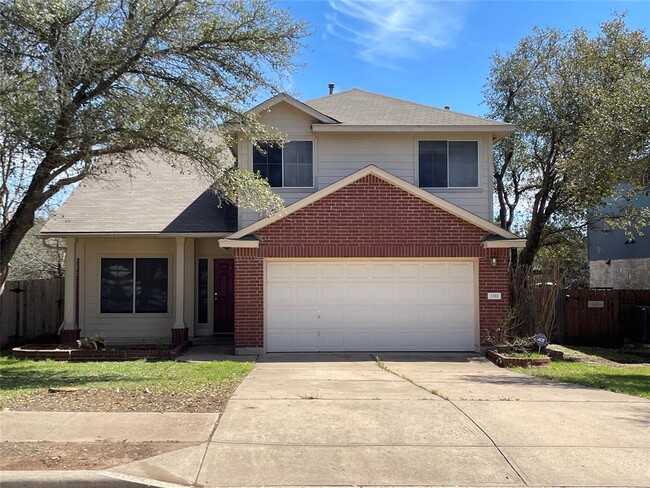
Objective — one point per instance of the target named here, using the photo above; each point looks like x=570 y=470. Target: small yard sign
x=494 y=296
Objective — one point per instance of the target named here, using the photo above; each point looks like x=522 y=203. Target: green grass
x=588 y=352
x=633 y=380
x=19 y=377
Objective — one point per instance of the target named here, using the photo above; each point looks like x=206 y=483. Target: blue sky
x=432 y=52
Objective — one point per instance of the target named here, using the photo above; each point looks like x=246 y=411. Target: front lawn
x=597 y=368
x=119 y=385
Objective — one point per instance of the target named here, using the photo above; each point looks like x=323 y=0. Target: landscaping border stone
x=61 y=352
x=510 y=362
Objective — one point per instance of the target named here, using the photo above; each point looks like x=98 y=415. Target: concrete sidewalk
x=111 y=427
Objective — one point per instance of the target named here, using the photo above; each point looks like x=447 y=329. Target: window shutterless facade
x=291 y=166
x=134 y=285
x=448 y=164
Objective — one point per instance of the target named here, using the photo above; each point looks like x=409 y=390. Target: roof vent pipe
x=446 y=107
x=331 y=88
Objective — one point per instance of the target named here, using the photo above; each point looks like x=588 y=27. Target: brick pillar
x=249 y=302
x=493 y=280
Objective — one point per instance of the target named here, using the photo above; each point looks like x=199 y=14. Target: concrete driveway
x=434 y=419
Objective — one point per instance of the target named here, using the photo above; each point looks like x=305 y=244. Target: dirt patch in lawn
x=28 y=456
x=123 y=400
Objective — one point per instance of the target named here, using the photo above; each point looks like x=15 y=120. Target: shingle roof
x=359 y=107
x=153 y=198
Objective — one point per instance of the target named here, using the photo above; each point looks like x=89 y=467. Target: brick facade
x=369 y=218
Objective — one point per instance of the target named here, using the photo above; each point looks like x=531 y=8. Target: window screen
x=116 y=285
x=268 y=161
x=151 y=285
x=463 y=164
x=433 y=164
x=298 y=164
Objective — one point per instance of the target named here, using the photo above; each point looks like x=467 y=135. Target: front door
x=224 y=296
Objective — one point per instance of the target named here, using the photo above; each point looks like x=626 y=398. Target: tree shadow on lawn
x=29 y=375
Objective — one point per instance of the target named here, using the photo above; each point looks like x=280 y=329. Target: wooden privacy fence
x=29 y=309
x=598 y=317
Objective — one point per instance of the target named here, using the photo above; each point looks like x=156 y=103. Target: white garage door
x=358 y=305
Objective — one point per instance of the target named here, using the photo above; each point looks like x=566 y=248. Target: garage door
x=360 y=305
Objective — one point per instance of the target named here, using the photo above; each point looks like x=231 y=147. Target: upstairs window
x=448 y=164
x=291 y=166
x=134 y=285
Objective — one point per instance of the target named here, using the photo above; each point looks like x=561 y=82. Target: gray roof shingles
x=359 y=107
x=154 y=198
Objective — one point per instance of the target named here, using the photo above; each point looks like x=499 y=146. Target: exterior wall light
x=493 y=261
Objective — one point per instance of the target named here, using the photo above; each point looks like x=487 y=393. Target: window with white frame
x=134 y=285
x=448 y=164
x=290 y=166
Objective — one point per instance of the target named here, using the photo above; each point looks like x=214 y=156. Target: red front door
x=224 y=296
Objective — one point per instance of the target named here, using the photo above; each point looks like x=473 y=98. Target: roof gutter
x=49 y=235
x=499 y=129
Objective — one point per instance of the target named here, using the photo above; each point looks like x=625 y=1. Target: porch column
x=69 y=333
x=179 y=332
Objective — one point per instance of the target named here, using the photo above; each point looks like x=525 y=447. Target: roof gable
x=283 y=97
x=398 y=182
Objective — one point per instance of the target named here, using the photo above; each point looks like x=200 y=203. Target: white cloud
x=388 y=30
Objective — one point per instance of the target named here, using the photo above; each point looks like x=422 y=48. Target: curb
x=77 y=479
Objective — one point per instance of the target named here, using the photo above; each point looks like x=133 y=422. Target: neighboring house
x=617 y=260
x=386 y=242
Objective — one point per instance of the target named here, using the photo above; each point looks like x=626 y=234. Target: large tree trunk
x=21 y=221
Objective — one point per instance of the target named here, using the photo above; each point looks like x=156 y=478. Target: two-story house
x=386 y=242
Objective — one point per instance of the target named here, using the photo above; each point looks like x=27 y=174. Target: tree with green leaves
x=581 y=105
x=85 y=84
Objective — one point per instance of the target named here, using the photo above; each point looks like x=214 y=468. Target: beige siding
x=142 y=328
x=294 y=125
x=338 y=155
x=124 y=328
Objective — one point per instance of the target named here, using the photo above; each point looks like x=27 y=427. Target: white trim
x=283 y=97
x=384 y=175
x=48 y=235
x=498 y=131
x=227 y=243
x=179 y=309
x=506 y=243
x=70 y=285
x=81 y=256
